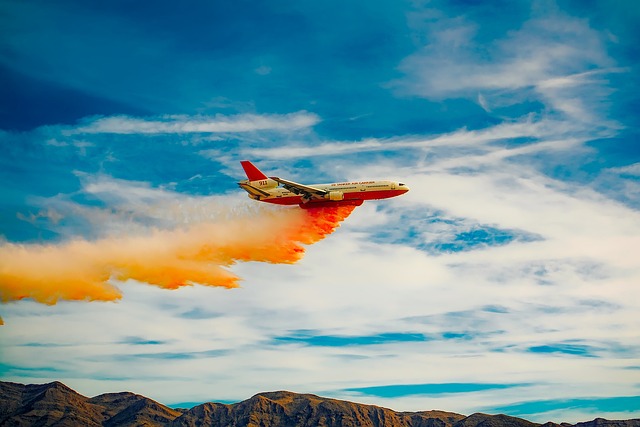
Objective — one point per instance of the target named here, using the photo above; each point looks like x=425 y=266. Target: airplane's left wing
x=305 y=191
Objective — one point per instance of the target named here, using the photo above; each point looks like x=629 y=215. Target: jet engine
x=334 y=195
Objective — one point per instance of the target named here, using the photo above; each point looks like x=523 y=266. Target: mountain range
x=55 y=404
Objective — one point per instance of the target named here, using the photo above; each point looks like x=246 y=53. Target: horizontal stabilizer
x=252 y=190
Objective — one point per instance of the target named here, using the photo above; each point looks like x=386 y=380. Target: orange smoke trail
x=80 y=270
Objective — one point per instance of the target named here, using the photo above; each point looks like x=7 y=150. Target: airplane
x=283 y=192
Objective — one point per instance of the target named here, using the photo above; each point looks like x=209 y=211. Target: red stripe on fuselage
x=348 y=197
x=331 y=203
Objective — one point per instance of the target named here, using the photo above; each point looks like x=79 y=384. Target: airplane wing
x=305 y=191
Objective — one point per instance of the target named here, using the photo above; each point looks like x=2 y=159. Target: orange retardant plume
x=198 y=254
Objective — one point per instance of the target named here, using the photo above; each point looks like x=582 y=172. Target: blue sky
x=505 y=281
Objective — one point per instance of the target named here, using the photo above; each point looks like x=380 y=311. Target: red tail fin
x=253 y=173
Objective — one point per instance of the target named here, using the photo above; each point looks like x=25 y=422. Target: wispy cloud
x=437 y=233
x=573 y=349
x=480 y=140
x=554 y=58
x=141 y=341
x=196 y=124
x=632 y=170
x=400 y=390
x=178 y=355
x=309 y=338
x=199 y=313
x=554 y=408
x=117 y=207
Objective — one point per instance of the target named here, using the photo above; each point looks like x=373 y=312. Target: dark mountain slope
x=286 y=409
x=45 y=405
x=55 y=404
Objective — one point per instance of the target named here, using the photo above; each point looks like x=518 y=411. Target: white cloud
x=554 y=58
x=528 y=127
x=575 y=285
x=127 y=207
x=632 y=170
x=198 y=124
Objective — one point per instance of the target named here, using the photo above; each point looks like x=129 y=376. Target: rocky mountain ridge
x=55 y=404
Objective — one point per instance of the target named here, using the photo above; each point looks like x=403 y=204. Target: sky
x=506 y=281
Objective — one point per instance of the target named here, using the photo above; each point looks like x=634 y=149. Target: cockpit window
x=400 y=184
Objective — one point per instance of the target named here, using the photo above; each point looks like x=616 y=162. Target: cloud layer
x=185 y=124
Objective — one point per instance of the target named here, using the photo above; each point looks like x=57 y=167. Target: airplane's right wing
x=305 y=191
